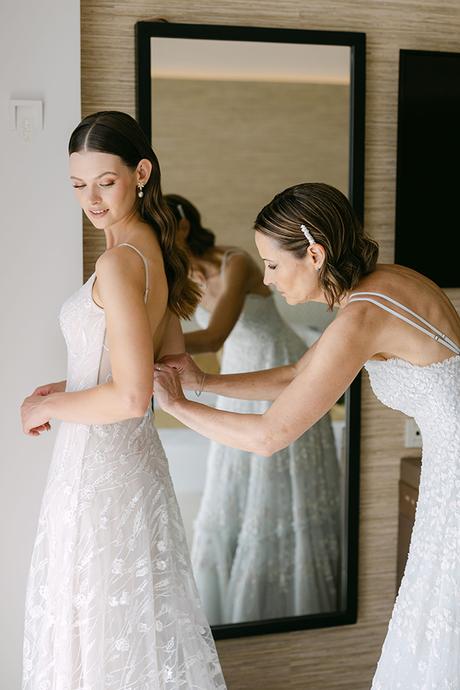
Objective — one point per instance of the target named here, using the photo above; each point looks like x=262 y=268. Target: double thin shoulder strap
x=147 y=287
x=434 y=333
x=230 y=252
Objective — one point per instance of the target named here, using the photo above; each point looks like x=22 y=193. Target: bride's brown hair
x=330 y=219
x=117 y=133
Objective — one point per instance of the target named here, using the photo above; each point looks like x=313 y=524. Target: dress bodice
x=430 y=394
x=83 y=325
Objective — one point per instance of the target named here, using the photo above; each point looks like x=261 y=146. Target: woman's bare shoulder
x=350 y=339
x=410 y=288
x=125 y=254
x=122 y=265
x=392 y=277
x=405 y=293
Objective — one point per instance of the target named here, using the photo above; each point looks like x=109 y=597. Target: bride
x=403 y=329
x=111 y=600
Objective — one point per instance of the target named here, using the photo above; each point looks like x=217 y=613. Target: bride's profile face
x=295 y=279
x=104 y=186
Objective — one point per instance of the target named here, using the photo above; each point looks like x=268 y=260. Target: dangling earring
x=140 y=193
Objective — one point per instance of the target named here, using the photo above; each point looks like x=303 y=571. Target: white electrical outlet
x=413 y=437
x=26 y=117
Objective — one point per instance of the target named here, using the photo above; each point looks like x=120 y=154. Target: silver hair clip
x=308 y=235
x=181 y=210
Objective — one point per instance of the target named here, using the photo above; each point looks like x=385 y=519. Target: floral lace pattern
x=111 y=601
x=267 y=536
x=422 y=648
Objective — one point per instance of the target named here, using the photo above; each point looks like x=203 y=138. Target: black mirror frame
x=145 y=30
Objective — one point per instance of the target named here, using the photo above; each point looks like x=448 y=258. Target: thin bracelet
x=200 y=389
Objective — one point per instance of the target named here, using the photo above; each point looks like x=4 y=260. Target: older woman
x=111 y=600
x=403 y=329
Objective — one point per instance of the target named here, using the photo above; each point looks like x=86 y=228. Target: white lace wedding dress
x=111 y=601
x=267 y=537
x=422 y=647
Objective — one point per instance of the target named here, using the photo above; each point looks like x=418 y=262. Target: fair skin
x=224 y=292
x=304 y=392
x=136 y=332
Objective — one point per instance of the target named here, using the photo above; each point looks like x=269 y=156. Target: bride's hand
x=46 y=389
x=167 y=387
x=191 y=376
x=58 y=387
x=33 y=416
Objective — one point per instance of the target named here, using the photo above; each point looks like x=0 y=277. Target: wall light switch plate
x=412 y=436
x=26 y=117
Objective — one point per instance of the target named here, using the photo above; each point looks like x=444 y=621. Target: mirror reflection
x=266 y=534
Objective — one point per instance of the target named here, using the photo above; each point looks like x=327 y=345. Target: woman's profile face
x=295 y=279
x=104 y=186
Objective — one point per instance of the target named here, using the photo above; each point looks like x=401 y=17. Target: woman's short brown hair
x=329 y=217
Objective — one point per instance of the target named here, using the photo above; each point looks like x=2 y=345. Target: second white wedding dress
x=111 y=600
x=422 y=648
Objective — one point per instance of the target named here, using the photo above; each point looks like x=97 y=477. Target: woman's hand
x=167 y=387
x=191 y=376
x=33 y=415
x=48 y=388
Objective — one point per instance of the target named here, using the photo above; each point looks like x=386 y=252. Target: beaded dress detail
x=422 y=647
x=111 y=600
x=266 y=540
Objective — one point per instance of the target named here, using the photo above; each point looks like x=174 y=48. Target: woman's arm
x=254 y=385
x=335 y=362
x=227 y=309
x=257 y=385
x=129 y=338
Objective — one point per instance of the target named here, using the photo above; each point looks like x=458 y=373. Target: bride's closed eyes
x=80 y=186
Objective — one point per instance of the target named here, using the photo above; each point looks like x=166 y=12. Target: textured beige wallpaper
x=230 y=146
x=344 y=657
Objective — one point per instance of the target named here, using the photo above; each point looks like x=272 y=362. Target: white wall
x=40 y=265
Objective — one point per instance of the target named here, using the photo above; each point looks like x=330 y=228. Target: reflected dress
x=111 y=601
x=422 y=648
x=266 y=539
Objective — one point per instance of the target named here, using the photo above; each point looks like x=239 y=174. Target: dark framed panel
x=347 y=614
x=427 y=163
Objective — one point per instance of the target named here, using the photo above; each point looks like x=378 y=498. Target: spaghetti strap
x=230 y=252
x=147 y=287
x=434 y=333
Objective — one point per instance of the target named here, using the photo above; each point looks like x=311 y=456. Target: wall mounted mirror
x=235 y=115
